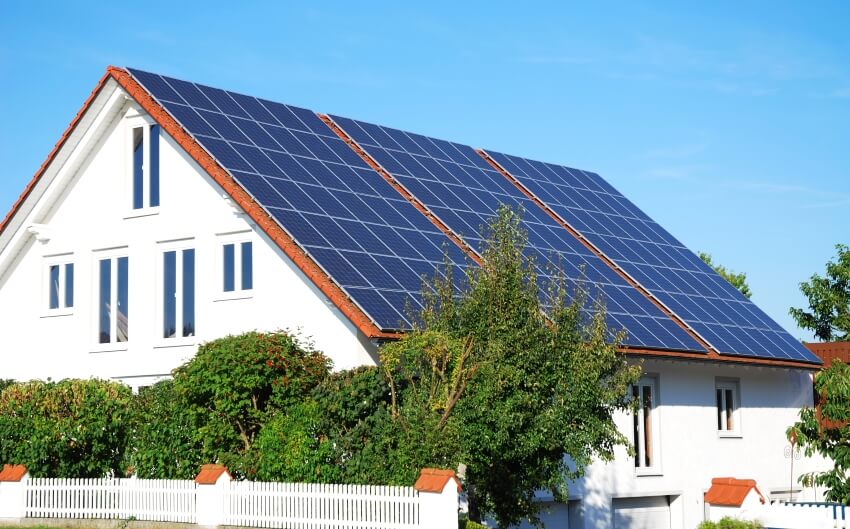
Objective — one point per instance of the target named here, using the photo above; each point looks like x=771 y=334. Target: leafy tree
x=162 y=442
x=738 y=281
x=829 y=300
x=826 y=430
x=505 y=384
x=233 y=386
x=71 y=428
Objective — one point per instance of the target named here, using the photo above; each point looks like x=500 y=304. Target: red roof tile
x=12 y=472
x=435 y=479
x=731 y=492
x=209 y=474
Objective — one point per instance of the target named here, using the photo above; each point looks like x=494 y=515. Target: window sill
x=729 y=435
x=55 y=313
x=142 y=212
x=648 y=472
x=109 y=347
x=185 y=341
x=235 y=295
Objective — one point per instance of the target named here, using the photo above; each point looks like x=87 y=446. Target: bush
x=162 y=443
x=71 y=428
x=730 y=523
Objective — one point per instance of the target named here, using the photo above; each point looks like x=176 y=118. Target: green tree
x=829 y=300
x=71 y=428
x=826 y=430
x=738 y=281
x=234 y=385
x=506 y=384
x=162 y=443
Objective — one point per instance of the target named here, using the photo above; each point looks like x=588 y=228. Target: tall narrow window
x=60 y=286
x=237 y=266
x=178 y=296
x=645 y=435
x=727 y=402
x=113 y=300
x=145 y=166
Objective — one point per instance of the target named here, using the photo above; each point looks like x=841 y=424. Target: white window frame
x=133 y=121
x=651 y=380
x=725 y=384
x=94 y=294
x=236 y=239
x=60 y=260
x=174 y=246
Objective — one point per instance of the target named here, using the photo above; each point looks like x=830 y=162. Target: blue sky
x=729 y=124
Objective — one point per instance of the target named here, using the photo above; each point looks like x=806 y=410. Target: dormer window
x=144 y=165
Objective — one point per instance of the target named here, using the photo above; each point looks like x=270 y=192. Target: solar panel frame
x=653 y=257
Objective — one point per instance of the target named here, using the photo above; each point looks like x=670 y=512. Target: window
x=645 y=420
x=237 y=267
x=60 y=286
x=112 y=305
x=178 y=293
x=145 y=166
x=728 y=402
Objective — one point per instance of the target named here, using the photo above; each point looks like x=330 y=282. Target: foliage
x=829 y=433
x=497 y=381
x=5 y=383
x=71 y=428
x=738 y=281
x=730 y=523
x=162 y=444
x=233 y=385
x=469 y=524
x=829 y=300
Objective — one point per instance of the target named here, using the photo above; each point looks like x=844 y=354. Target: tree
x=234 y=385
x=826 y=430
x=738 y=281
x=829 y=300
x=508 y=382
x=71 y=428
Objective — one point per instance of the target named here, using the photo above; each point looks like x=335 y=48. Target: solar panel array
x=371 y=241
x=648 y=253
x=464 y=191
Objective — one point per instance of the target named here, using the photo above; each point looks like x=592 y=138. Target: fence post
x=212 y=483
x=438 y=495
x=13 y=491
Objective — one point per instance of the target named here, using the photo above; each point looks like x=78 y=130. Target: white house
x=171 y=213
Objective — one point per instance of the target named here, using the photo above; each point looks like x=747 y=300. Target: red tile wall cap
x=209 y=474
x=731 y=492
x=13 y=472
x=435 y=479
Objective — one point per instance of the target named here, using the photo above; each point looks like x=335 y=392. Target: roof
x=366 y=211
x=828 y=352
x=209 y=474
x=731 y=492
x=12 y=472
x=435 y=479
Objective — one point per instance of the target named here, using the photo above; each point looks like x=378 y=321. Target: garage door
x=650 y=512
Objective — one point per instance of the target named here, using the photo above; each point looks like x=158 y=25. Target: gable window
x=237 y=266
x=645 y=425
x=178 y=293
x=728 y=401
x=113 y=300
x=144 y=146
x=59 y=286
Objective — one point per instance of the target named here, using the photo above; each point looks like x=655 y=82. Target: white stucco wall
x=93 y=213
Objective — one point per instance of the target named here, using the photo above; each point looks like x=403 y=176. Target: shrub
x=730 y=523
x=71 y=428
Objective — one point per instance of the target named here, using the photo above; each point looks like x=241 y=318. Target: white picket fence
x=313 y=506
x=806 y=515
x=157 y=500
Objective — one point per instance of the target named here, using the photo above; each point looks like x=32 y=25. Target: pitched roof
x=435 y=479
x=731 y=492
x=365 y=211
x=209 y=474
x=12 y=472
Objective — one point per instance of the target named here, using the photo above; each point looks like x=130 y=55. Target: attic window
x=59 y=286
x=727 y=397
x=145 y=166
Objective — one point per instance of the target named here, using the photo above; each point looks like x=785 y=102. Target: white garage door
x=651 y=512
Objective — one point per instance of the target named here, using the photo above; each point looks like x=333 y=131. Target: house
x=170 y=213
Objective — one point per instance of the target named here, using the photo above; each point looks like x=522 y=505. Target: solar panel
x=373 y=243
x=464 y=191
x=681 y=280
